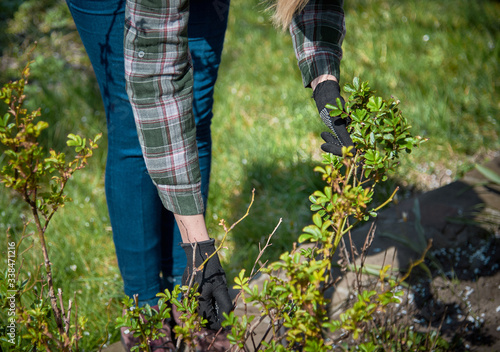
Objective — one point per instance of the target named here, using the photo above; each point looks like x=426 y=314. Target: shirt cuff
x=323 y=63
x=182 y=199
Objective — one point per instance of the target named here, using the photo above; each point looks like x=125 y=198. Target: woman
x=172 y=53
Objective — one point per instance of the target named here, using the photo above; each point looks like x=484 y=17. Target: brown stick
x=48 y=269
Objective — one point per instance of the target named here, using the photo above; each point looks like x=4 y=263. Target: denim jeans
x=145 y=234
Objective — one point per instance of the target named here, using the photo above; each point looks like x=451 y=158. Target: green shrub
x=36 y=316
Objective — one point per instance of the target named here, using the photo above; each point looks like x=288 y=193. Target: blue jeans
x=145 y=234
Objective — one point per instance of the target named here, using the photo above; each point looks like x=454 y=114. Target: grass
x=440 y=58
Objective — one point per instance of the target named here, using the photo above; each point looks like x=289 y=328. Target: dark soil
x=457 y=290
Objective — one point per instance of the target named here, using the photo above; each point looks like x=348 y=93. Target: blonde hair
x=284 y=10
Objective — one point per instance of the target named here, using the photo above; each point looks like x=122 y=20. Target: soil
x=458 y=293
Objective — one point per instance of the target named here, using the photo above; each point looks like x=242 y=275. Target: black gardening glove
x=214 y=298
x=325 y=93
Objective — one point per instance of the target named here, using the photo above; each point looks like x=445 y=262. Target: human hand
x=325 y=93
x=214 y=298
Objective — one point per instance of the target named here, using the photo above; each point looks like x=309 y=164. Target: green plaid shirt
x=159 y=79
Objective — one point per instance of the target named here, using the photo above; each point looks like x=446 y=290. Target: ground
x=460 y=293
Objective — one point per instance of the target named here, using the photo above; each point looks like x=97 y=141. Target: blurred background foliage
x=440 y=58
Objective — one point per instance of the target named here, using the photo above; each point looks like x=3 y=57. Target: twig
x=261 y=252
x=353 y=253
x=344 y=260
x=376 y=209
x=253 y=342
x=190 y=285
x=253 y=326
x=438 y=329
x=195 y=269
x=48 y=268
x=68 y=317
x=35 y=278
x=268 y=244
x=76 y=322
x=226 y=230
x=350 y=169
x=265 y=335
x=417 y=262
x=42 y=285
x=24 y=236
x=368 y=242
x=246 y=214
x=106 y=331
x=344 y=255
x=366 y=245
x=61 y=304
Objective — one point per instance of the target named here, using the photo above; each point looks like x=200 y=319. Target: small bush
x=36 y=315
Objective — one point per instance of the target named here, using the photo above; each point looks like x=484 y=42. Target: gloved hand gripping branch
x=214 y=297
x=325 y=93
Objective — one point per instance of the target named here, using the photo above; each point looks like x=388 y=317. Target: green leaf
x=74 y=140
x=316 y=207
x=317 y=220
x=328 y=192
x=374 y=103
x=40 y=126
x=334 y=110
x=305 y=237
x=5 y=120
x=313 y=230
x=349 y=88
x=488 y=173
x=97 y=137
x=355 y=82
x=320 y=169
x=372 y=138
x=388 y=137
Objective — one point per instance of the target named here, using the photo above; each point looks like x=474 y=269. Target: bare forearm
x=192 y=227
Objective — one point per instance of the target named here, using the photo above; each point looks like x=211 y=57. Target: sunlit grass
x=436 y=57
x=440 y=58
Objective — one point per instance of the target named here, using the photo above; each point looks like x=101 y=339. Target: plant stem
x=388 y=200
x=228 y=230
x=48 y=268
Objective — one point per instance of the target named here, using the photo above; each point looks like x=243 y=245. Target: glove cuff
x=203 y=250
x=327 y=92
x=202 y=244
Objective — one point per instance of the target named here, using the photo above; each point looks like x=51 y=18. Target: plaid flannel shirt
x=159 y=79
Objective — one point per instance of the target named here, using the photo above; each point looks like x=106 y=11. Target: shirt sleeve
x=159 y=78
x=318 y=32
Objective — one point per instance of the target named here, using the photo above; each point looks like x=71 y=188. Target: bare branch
x=268 y=244
x=68 y=316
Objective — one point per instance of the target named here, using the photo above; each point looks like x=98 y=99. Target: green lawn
x=440 y=58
